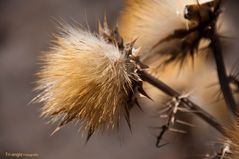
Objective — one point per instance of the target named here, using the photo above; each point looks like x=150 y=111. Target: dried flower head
x=151 y=20
x=88 y=77
x=155 y=22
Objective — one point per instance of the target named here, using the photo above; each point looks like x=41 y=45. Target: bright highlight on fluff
x=84 y=77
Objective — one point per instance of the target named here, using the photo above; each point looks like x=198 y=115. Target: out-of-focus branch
x=222 y=75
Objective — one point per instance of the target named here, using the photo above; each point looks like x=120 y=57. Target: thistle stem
x=222 y=75
x=172 y=93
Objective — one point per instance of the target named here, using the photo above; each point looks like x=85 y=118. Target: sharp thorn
x=131 y=44
x=106 y=26
x=164 y=109
x=100 y=28
x=177 y=131
x=89 y=135
x=162 y=145
x=127 y=118
x=64 y=122
x=56 y=130
x=185 y=110
x=137 y=103
x=184 y=123
x=163 y=116
x=142 y=91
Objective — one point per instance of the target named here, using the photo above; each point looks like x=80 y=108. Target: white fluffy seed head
x=84 y=77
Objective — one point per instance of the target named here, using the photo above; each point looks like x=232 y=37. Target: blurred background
x=25 y=31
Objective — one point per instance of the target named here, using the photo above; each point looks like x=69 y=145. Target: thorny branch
x=172 y=108
x=192 y=106
x=205 y=29
x=224 y=152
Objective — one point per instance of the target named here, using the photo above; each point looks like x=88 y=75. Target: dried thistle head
x=167 y=27
x=88 y=77
x=150 y=21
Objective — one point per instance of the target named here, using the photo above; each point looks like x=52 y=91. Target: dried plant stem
x=222 y=75
x=171 y=92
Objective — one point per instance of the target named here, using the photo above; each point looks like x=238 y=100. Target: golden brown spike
x=100 y=28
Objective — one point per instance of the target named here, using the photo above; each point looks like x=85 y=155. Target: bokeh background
x=25 y=31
